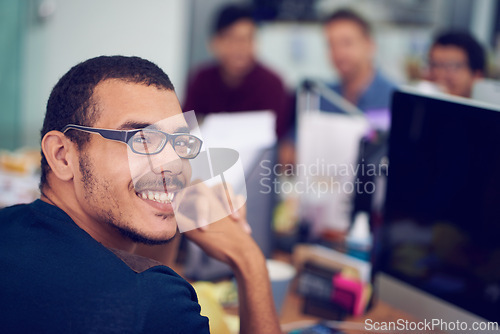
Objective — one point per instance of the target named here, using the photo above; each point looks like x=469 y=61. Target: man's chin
x=153 y=242
x=148 y=239
x=345 y=72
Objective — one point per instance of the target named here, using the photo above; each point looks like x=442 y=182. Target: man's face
x=448 y=67
x=234 y=47
x=106 y=189
x=349 y=47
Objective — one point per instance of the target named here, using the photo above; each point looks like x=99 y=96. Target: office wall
x=11 y=33
x=202 y=14
x=61 y=33
x=299 y=51
x=294 y=50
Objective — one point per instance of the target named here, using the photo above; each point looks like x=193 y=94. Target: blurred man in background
x=236 y=81
x=351 y=50
x=456 y=61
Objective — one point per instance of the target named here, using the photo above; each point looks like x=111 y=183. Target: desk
x=382 y=312
x=291 y=311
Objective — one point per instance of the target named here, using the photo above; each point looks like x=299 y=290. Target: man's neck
x=354 y=86
x=101 y=232
x=232 y=79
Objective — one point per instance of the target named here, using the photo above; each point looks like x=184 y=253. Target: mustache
x=157 y=182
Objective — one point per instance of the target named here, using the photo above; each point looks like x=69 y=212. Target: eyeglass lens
x=152 y=142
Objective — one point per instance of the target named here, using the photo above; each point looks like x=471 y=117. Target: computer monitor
x=437 y=252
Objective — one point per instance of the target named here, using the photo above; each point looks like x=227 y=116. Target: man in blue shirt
x=351 y=50
x=68 y=262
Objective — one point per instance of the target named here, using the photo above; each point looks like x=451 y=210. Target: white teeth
x=159 y=197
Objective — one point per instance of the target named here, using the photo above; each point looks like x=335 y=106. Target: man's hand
x=200 y=205
x=229 y=241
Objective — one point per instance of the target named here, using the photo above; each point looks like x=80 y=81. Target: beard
x=162 y=182
x=107 y=209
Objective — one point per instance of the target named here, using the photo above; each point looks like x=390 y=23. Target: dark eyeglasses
x=147 y=141
x=448 y=66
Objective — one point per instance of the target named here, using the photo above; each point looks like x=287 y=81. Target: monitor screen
x=441 y=229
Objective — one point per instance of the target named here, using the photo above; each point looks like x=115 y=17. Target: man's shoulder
x=13 y=209
x=160 y=281
x=267 y=74
x=383 y=82
x=336 y=86
x=12 y=215
x=172 y=302
x=378 y=95
x=135 y=262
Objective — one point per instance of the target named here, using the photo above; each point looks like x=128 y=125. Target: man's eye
x=180 y=143
x=141 y=140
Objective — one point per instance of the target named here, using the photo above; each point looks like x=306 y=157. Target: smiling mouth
x=156 y=196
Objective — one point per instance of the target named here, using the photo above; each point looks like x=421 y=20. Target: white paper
x=249 y=133
x=328 y=145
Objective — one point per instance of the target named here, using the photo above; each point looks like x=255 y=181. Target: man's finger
x=225 y=193
x=241 y=204
x=202 y=207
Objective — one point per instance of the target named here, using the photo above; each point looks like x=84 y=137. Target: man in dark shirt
x=237 y=81
x=67 y=259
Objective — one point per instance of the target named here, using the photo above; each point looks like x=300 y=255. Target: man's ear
x=59 y=152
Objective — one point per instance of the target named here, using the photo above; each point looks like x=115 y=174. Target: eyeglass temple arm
x=122 y=136
x=117 y=135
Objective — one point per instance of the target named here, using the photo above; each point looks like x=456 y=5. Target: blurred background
x=41 y=39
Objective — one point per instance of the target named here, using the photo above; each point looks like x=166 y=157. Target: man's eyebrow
x=132 y=125
x=182 y=129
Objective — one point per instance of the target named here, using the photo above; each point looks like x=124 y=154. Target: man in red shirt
x=236 y=81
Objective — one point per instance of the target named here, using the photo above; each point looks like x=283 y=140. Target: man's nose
x=166 y=161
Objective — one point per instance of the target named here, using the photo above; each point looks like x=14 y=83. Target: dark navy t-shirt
x=55 y=278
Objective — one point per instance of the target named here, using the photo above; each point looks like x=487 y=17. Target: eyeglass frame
x=452 y=66
x=124 y=136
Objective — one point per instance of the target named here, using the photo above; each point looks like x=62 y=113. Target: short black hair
x=230 y=14
x=349 y=15
x=476 y=55
x=70 y=101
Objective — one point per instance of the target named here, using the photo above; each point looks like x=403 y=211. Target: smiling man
x=67 y=258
